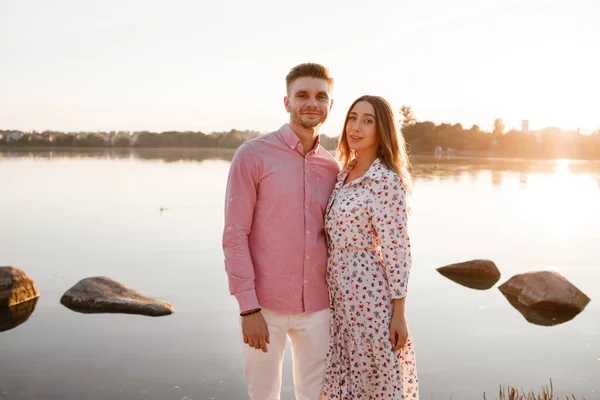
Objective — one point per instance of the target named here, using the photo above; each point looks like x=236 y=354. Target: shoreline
x=455 y=155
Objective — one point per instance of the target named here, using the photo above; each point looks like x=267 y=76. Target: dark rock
x=543 y=316
x=15 y=287
x=104 y=295
x=14 y=316
x=474 y=274
x=545 y=289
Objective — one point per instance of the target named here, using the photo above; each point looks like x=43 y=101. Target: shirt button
x=308 y=232
x=305 y=281
x=307 y=257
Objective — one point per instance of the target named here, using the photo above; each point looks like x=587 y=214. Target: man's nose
x=312 y=101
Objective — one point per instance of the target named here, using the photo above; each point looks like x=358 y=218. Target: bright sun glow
x=562 y=167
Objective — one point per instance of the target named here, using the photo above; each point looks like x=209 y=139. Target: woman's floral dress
x=368 y=266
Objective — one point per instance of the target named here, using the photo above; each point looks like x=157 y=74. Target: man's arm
x=240 y=200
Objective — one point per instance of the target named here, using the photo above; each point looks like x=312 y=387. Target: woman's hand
x=398 y=330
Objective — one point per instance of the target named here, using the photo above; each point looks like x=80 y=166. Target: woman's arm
x=389 y=218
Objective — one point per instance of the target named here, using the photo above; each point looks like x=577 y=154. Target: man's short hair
x=310 y=70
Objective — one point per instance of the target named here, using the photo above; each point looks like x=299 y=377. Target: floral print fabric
x=368 y=266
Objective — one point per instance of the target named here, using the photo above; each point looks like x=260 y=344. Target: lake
x=67 y=215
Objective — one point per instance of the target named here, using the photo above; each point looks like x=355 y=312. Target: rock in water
x=475 y=274
x=542 y=316
x=545 y=289
x=16 y=287
x=104 y=295
x=14 y=316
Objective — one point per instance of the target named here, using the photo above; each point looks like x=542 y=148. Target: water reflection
x=472 y=282
x=500 y=170
x=523 y=180
x=543 y=316
x=425 y=168
x=14 y=316
x=497 y=178
x=164 y=154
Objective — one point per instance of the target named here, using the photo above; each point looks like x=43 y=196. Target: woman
x=371 y=354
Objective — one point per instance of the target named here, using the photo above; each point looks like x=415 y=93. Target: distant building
x=13 y=136
x=48 y=137
x=525 y=126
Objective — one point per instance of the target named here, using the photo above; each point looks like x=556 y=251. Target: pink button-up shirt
x=273 y=239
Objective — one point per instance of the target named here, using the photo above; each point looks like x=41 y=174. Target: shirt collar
x=375 y=171
x=292 y=140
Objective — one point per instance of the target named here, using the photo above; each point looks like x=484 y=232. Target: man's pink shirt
x=273 y=238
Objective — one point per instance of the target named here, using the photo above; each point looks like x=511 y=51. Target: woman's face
x=361 y=131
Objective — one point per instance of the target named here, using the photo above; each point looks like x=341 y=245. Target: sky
x=72 y=65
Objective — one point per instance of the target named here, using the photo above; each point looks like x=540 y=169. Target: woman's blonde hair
x=392 y=146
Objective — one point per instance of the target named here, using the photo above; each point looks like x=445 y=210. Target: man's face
x=308 y=102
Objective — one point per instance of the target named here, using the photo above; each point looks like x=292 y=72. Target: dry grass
x=547 y=393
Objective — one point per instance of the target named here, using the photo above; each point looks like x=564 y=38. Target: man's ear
x=286 y=103
x=331 y=104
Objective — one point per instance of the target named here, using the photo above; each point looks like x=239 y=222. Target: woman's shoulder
x=389 y=180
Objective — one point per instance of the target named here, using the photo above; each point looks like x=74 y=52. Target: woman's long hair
x=392 y=146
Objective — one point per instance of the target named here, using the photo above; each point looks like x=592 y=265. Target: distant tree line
x=142 y=139
x=423 y=137
x=426 y=137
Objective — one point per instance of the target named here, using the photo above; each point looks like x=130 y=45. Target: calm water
x=66 y=216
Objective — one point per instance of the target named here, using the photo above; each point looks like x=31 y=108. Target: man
x=274 y=241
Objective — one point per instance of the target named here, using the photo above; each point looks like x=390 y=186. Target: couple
x=321 y=256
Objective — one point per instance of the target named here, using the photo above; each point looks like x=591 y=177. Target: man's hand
x=255 y=331
x=398 y=331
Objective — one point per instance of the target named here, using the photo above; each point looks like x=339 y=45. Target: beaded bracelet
x=250 y=312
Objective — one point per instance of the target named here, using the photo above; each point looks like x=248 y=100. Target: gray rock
x=16 y=287
x=545 y=289
x=104 y=295
x=475 y=274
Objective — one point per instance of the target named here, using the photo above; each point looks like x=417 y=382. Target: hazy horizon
x=149 y=65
